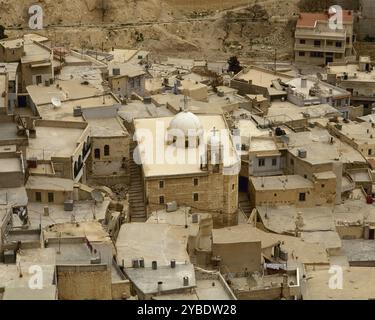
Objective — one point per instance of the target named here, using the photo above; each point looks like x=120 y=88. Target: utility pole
x=275 y=60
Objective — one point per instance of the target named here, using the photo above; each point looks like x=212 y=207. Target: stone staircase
x=244 y=203
x=137 y=206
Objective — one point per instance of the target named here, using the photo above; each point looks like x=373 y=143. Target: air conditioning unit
x=172 y=206
x=68 y=205
x=77 y=111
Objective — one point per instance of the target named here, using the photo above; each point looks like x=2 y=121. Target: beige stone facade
x=317 y=44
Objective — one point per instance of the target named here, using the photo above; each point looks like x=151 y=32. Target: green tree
x=2 y=32
x=234 y=65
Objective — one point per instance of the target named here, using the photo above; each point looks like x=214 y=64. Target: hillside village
x=128 y=172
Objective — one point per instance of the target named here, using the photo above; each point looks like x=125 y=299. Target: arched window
x=106 y=150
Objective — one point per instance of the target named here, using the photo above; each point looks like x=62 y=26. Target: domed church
x=191 y=160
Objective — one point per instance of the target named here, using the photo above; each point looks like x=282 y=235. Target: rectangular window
x=106 y=150
x=317 y=43
x=302 y=41
x=196 y=196
x=261 y=162
x=233 y=186
x=301 y=53
x=302 y=196
x=38 y=196
x=274 y=162
x=97 y=153
x=338 y=44
x=196 y=181
x=316 y=54
x=369 y=152
x=161 y=200
x=161 y=184
x=329 y=43
x=38 y=79
x=50 y=197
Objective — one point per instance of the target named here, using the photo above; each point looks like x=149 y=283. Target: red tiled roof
x=309 y=19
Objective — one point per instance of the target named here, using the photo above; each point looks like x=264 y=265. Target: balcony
x=322 y=48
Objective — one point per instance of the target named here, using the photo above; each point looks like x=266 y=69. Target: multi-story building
x=318 y=44
x=193 y=166
x=358 y=78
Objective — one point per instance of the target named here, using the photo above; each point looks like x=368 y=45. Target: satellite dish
x=56 y=102
x=97 y=196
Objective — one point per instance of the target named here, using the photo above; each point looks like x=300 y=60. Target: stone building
x=358 y=78
x=185 y=159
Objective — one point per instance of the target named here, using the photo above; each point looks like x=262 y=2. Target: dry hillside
x=187 y=28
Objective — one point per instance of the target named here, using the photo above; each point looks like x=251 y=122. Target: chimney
x=186 y=281
x=303 y=83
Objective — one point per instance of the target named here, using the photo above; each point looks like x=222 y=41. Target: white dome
x=186 y=121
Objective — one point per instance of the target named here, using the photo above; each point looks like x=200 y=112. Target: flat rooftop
x=123 y=55
x=353 y=212
x=137 y=109
x=243 y=233
x=82 y=211
x=285 y=111
x=248 y=129
x=319 y=149
x=52 y=141
x=45 y=258
x=360 y=133
x=282 y=219
x=65 y=111
x=153 y=242
x=298 y=250
x=262 y=77
x=49 y=183
x=106 y=127
x=281 y=183
x=8 y=132
x=325 y=89
x=66 y=90
x=185 y=162
x=359 y=250
x=35 y=53
x=92 y=230
x=13 y=197
x=146 y=279
x=358 y=284
x=352 y=70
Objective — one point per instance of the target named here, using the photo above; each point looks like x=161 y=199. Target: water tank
x=302 y=153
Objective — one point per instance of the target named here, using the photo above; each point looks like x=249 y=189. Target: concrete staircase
x=137 y=206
